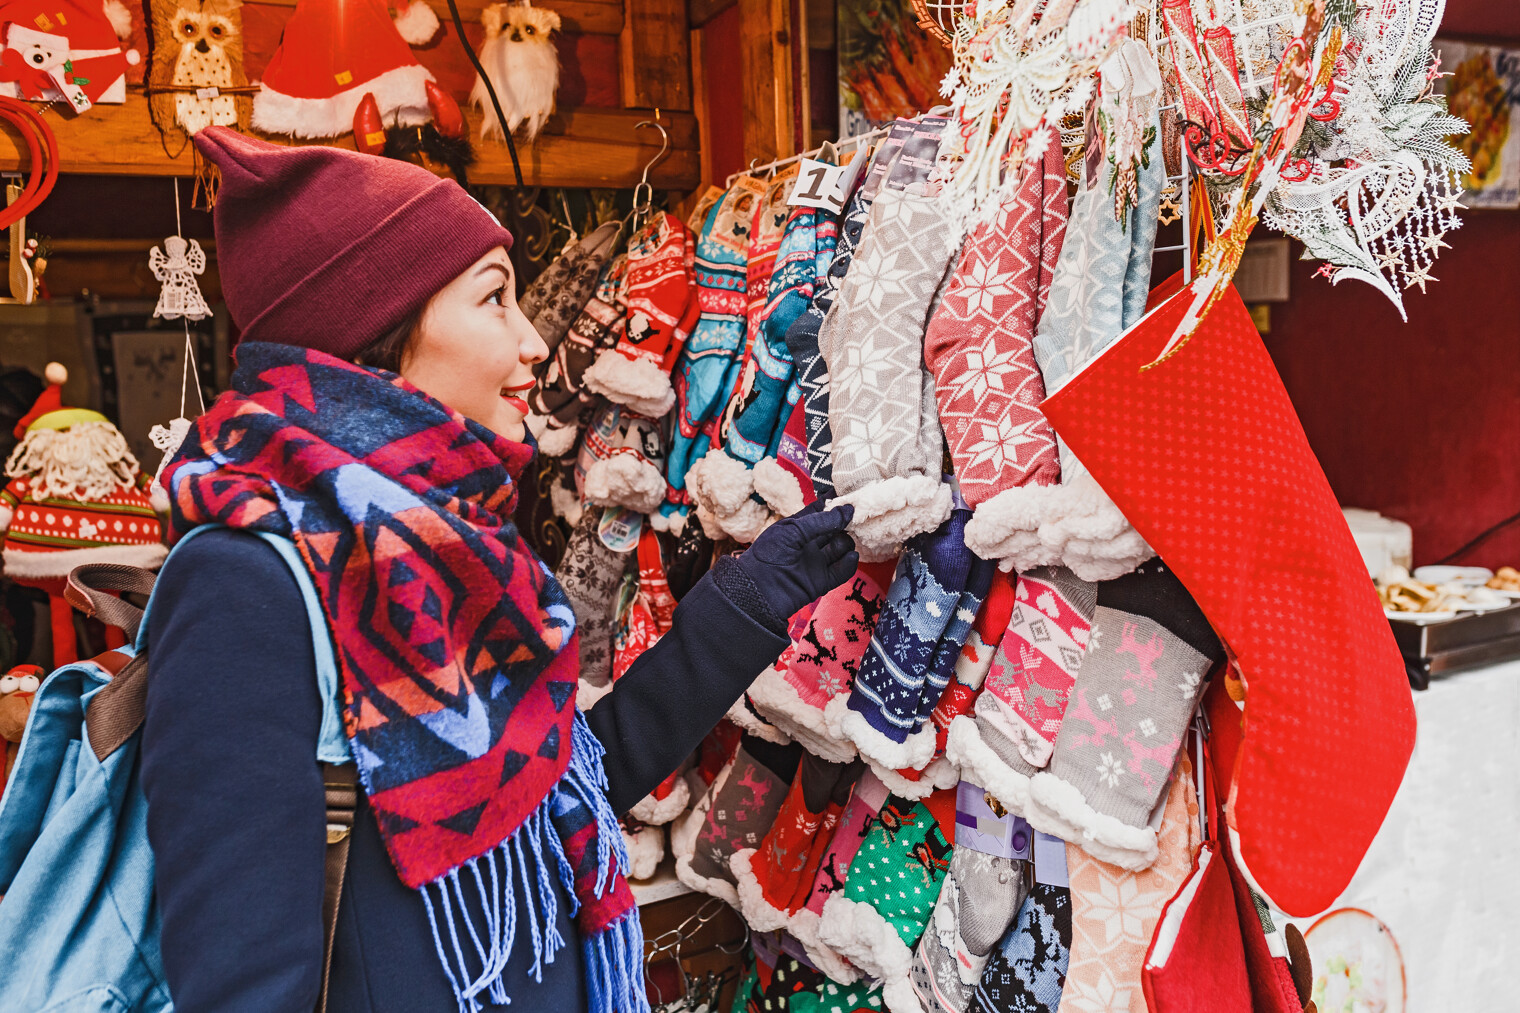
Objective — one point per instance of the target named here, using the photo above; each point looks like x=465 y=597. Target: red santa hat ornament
x=76 y=45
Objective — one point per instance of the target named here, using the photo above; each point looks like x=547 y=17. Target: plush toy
x=17 y=688
x=76 y=495
x=522 y=65
x=69 y=49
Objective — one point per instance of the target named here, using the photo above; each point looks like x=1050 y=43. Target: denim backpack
x=79 y=929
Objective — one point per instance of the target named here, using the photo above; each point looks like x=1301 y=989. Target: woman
x=376 y=422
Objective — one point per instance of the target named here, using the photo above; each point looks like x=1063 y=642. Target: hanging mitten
x=822 y=661
x=895 y=878
x=776 y=878
x=561 y=398
x=621 y=460
x=812 y=370
x=1028 y=969
x=662 y=309
x=591 y=573
x=645 y=844
x=978 y=341
x=1010 y=735
x=866 y=802
x=556 y=297
x=1114 y=911
x=1100 y=287
x=884 y=713
x=887 y=445
x=722 y=248
x=744 y=804
x=1126 y=717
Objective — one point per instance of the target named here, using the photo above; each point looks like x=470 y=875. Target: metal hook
x=643 y=193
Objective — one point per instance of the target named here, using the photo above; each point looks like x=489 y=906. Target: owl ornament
x=345 y=65
x=523 y=66
x=66 y=49
x=197 y=59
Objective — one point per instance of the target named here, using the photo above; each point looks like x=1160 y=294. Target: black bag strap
x=116 y=712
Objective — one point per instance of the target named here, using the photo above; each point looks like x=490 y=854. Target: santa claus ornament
x=66 y=49
x=522 y=65
x=345 y=65
x=75 y=496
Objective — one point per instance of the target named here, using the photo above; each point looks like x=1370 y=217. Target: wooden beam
x=700 y=12
x=655 y=56
x=701 y=107
x=579 y=148
x=583 y=17
x=765 y=73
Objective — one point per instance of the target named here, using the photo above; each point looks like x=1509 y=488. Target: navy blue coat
x=236 y=813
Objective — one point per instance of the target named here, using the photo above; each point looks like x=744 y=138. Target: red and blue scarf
x=456 y=645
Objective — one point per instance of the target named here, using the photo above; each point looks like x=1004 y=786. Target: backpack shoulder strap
x=342 y=789
x=116 y=712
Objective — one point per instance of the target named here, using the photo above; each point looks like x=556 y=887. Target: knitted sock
x=1114 y=912
x=557 y=296
x=821 y=662
x=832 y=997
x=591 y=573
x=1013 y=728
x=1100 y=286
x=700 y=370
x=561 y=396
x=754 y=719
x=978 y=343
x=976 y=905
x=648 y=616
x=885 y=463
x=834 y=871
x=1028 y=970
x=1140 y=682
x=882 y=713
x=812 y=370
x=894 y=881
x=744 y=801
x=774 y=879
x=621 y=461
x=791 y=979
x=662 y=308
x=782 y=481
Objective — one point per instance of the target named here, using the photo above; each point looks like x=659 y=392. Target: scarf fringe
x=475 y=941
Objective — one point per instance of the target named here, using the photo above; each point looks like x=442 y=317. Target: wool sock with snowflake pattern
x=1028 y=969
x=561 y=396
x=1141 y=679
x=978 y=902
x=895 y=878
x=978 y=341
x=557 y=296
x=887 y=449
x=1010 y=734
x=591 y=574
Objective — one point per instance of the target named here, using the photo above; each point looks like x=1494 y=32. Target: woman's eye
x=499 y=296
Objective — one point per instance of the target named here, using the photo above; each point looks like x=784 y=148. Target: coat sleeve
x=236 y=813
x=723 y=636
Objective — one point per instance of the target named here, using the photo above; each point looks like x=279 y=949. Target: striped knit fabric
x=49 y=537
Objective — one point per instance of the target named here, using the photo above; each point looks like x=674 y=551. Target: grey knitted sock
x=591 y=573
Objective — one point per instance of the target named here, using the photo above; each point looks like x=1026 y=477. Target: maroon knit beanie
x=330 y=249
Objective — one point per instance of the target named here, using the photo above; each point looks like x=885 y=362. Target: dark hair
x=387 y=351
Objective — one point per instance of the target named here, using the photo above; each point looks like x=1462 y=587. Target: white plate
x=1453 y=574
x=1419 y=618
x=1513 y=595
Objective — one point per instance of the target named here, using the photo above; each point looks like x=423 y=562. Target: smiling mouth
x=521 y=388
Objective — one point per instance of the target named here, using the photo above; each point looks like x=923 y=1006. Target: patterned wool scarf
x=457 y=649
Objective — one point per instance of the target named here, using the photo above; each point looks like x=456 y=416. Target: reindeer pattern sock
x=1028 y=970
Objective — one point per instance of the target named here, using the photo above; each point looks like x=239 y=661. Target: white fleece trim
x=804 y=928
x=749 y=522
x=565 y=503
x=638 y=383
x=659 y=811
x=158 y=499
x=401 y=94
x=981 y=765
x=557 y=441
x=417 y=24
x=23 y=565
x=719 y=888
x=121 y=19
x=1057 y=807
x=625 y=480
x=683 y=832
x=913 y=753
x=1165 y=938
x=674 y=523
x=762 y=917
x=755 y=725
x=778 y=487
x=645 y=849
x=777 y=699
x=870 y=942
x=1075 y=525
x=586 y=694
x=719 y=482
x=889 y=512
x=939 y=774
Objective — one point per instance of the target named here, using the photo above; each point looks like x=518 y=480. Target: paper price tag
x=817 y=186
x=1050 y=860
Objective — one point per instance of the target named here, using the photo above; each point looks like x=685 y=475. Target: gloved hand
x=801 y=558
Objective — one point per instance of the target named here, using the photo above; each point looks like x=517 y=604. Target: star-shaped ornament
x=1171 y=208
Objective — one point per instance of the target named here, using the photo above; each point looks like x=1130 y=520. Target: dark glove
x=800 y=559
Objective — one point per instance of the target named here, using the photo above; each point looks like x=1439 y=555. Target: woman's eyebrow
x=496 y=265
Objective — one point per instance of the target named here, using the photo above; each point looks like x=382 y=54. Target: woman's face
x=474 y=349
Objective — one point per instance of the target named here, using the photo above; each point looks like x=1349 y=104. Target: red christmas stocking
x=1206 y=457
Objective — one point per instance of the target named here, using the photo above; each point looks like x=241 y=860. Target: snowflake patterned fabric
x=1114 y=912
x=886 y=435
x=978 y=344
x=1149 y=652
x=1028 y=970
